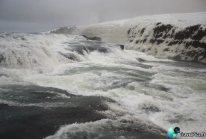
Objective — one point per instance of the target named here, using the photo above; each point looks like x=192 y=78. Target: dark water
x=40 y=111
x=37 y=112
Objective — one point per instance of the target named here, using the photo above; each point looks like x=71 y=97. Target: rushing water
x=98 y=91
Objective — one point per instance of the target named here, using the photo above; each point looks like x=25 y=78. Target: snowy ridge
x=176 y=36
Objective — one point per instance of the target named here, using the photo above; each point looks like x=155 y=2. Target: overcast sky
x=42 y=15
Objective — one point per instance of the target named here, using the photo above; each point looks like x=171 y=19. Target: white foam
x=39 y=52
x=102 y=128
x=141 y=93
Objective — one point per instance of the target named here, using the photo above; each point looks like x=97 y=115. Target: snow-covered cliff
x=176 y=36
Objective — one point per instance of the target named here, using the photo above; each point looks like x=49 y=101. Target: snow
x=118 y=32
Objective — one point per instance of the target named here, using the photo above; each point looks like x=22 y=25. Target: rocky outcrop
x=121 y=46
x=64 y=30
x=174 y=42
x=92 y=38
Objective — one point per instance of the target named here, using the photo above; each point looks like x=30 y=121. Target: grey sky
x=40 y=15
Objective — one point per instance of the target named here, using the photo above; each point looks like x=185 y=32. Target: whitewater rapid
x=150 y=94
